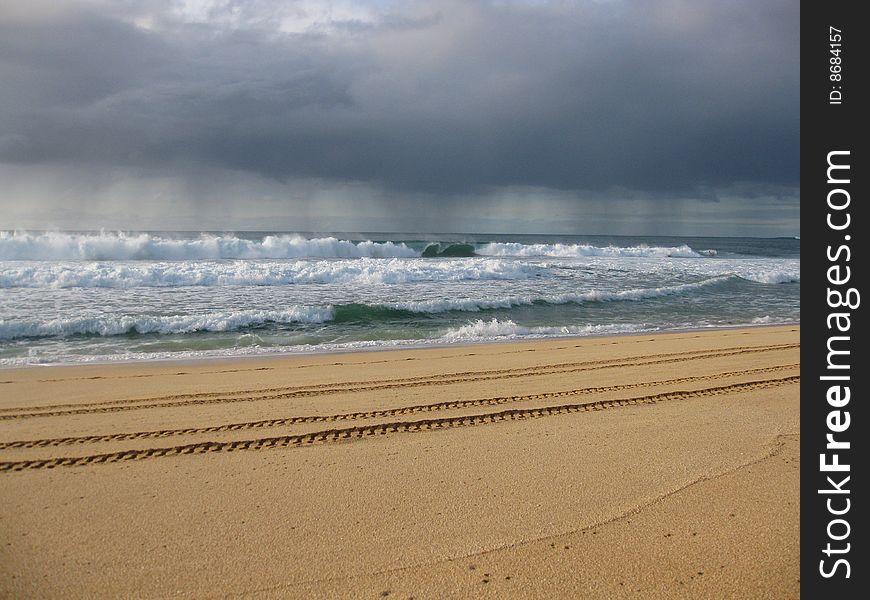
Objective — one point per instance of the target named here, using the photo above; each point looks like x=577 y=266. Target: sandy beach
x=662 y=465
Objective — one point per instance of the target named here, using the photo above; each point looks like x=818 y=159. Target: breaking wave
x=129 y=274
x=173 y=324
x=473 y=305
x=581 y=250
x=109 y=246
x=792 y=276
x=495 y=329
x=223 y=321
x=438 y=250
x=144 y=246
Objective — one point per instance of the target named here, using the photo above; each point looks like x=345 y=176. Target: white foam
x=22 y=245
x=760 y=270
x=108 y=325
x=583 y=250
x=768 y=320
x=495 y=329
x=474 y=305
x=773 y=277
x=171 y=324
x=143 y=246
x=362 y=271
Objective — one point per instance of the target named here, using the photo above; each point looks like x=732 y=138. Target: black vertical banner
x=834 y=227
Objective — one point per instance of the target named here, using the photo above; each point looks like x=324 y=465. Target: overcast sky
x=594 y=116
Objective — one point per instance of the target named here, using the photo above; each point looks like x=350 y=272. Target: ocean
x=68 y=297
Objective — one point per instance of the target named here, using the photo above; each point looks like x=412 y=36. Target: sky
x=646 y=117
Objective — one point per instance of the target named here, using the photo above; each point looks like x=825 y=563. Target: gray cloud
x=419 y=102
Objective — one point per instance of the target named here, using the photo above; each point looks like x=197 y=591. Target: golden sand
x=632 y=466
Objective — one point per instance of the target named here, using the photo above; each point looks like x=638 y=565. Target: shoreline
x=375 y=347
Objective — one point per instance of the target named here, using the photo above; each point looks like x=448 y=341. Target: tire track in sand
x=374 y=414
x=363 y=431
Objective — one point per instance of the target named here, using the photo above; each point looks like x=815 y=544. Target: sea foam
x=362 y=271
x=165 y=324
x=107 y=246
x=475 y=305
x=143 y=246
x=581 y=250
x=222 y=321
x=481 y=330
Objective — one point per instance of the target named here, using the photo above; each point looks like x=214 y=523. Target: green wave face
x=438 y=250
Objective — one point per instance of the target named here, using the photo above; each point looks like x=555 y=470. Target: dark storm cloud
x=444 y=98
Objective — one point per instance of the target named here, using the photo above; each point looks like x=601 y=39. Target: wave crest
x=107 y=246
x=494 y=329
x=363 y=271
x=172 y=324
x=144 y=246
x=474 y=305
x=772 y=277
x=581 y=250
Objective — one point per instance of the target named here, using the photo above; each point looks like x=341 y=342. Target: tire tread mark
x=335 y=435
x=447 y=405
